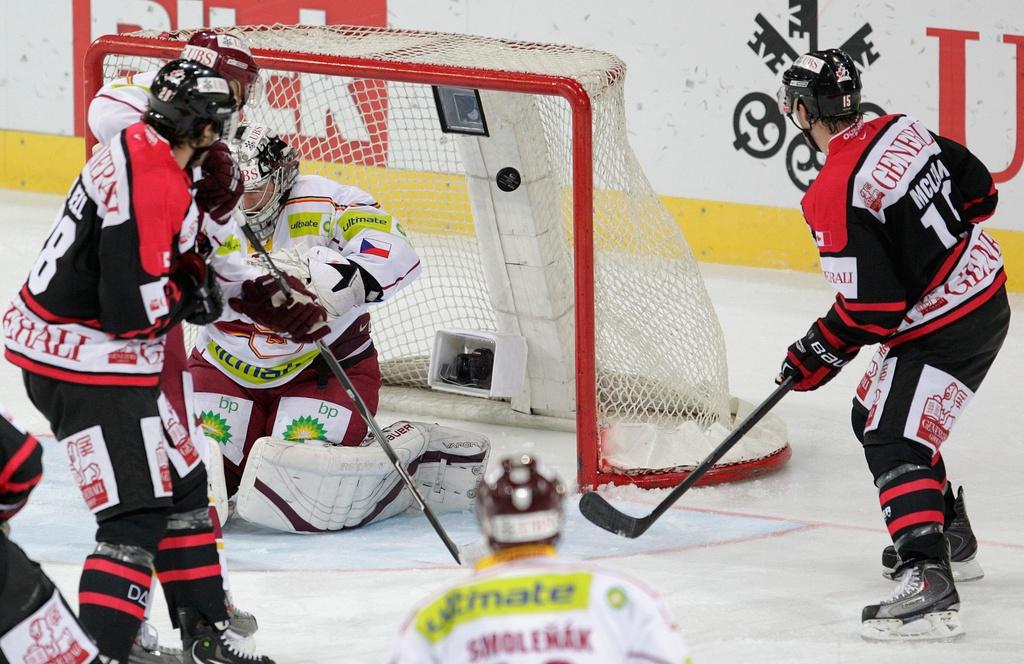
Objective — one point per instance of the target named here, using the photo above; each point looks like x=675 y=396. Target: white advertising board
x=701 y=80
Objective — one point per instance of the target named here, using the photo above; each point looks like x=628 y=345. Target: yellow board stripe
x=718 y=232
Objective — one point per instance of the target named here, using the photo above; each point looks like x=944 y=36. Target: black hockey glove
x=815 y=359
x=221 y=186
x=201 y=299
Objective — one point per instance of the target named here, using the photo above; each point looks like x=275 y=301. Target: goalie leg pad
x=309 y=487
x=450 y=468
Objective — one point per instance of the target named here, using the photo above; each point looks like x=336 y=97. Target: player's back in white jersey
x=541 y=610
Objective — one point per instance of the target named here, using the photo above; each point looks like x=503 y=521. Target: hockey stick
x=364 y=411
x=600 y=512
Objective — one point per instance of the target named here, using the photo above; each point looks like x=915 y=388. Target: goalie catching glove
x=299 y=316
x=340 y=285
x=815 y=359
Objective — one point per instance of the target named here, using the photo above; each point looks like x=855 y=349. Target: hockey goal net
x=535 y=222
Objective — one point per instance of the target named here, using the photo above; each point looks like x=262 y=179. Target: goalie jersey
x=98 y=299
x=895 y=213
x=318 y=212
x=540 y=610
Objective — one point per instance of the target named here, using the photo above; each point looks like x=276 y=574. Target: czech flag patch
x=375 y=248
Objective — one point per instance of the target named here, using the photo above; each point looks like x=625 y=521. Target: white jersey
x=119 y=103
x=538 y=610
x=318 y=213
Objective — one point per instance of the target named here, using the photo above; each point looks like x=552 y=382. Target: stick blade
x=600 y=512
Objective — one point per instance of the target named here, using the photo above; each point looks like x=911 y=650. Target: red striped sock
x=189 y=570
x=912 y=506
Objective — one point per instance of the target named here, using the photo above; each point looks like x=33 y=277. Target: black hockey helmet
x=826 y=82
x=185 y=96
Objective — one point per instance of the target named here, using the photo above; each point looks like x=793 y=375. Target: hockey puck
x=508 y=179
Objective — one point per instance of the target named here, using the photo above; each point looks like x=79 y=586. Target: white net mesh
x=658 y=350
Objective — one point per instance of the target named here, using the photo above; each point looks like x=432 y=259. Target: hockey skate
x=207 y=643
x=924 y=607
x=963 y=547
x=147 y=648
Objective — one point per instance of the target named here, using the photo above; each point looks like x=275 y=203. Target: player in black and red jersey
x=122 y=102
x=896 y=214
x=120 y=268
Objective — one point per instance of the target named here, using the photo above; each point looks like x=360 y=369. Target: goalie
x=258 y=374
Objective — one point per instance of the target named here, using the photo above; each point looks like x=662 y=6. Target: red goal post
x=610 y=400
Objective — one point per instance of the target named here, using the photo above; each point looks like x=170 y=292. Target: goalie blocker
x=315 y=487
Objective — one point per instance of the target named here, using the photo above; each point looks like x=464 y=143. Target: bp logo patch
x=616 y=597
x=305 y=428
x=215 y=427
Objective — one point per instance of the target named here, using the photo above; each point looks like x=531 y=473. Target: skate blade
x=937 y=626
x=967 y=570
x=140 y=655
x=243 y=624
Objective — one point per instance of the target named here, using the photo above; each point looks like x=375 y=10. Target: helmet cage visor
x=258 y=195
x=226 y=127
x=788 y=97
x=249 y=83
x=261 y=210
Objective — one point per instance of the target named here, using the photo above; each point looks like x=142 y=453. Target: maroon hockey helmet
x=520 y=502
x=228 y=53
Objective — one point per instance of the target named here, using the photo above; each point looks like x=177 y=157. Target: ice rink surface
x=774 y=570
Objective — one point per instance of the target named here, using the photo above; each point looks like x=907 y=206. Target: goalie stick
x=364 y=411
x=600 y=512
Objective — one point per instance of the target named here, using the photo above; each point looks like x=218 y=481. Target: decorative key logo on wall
x=759 y=127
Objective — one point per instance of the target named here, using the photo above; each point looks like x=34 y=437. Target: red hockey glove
x=221 y=186
x=300 y=317
x=815 y=359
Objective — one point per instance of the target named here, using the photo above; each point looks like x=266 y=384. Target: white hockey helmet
x=269 y=168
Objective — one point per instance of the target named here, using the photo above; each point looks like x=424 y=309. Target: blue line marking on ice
x=57 y=527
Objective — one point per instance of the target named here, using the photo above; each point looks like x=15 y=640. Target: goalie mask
x=828 y=85
x=269 y=168
x=520 y=502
